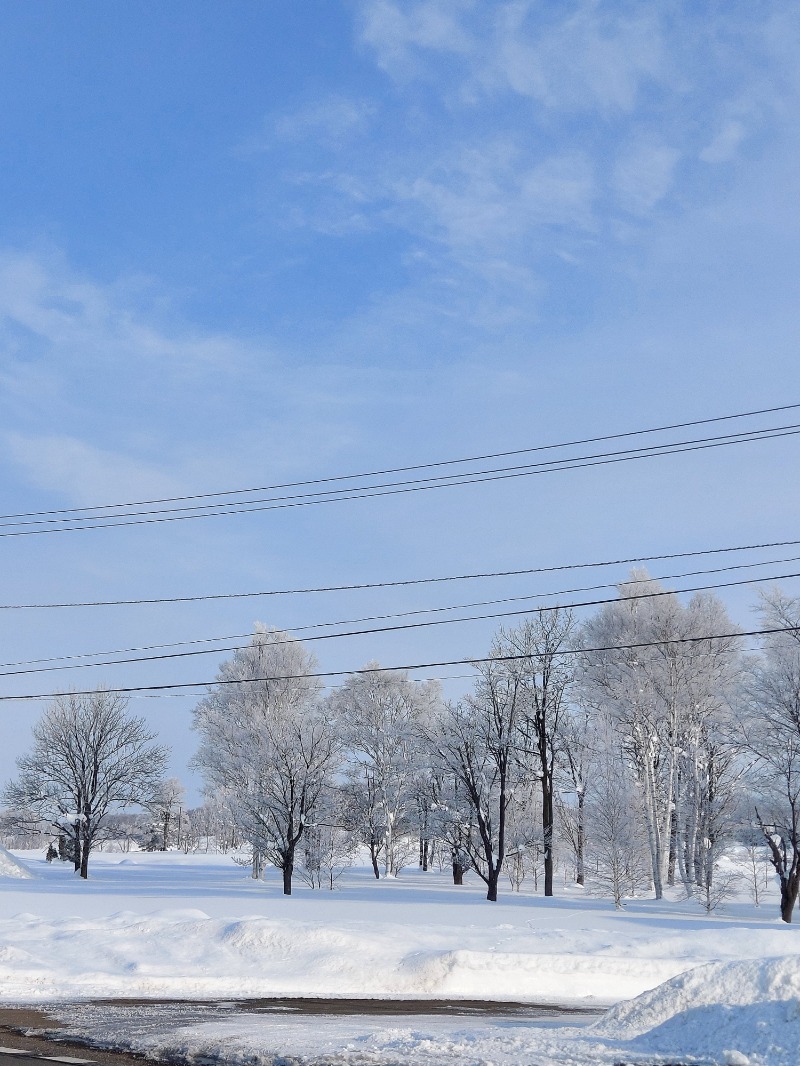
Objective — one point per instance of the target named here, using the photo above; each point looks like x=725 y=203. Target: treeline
x=633 y=748
x=639 y=745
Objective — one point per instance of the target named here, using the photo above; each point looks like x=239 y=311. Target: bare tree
x=771 y=734
x=265 y=740
x=545 y=675
x=478 y=744
x=328 y=850
x=89 y=758
x=618 y=845
x=363 y=814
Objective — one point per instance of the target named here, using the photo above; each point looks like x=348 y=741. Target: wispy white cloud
x=83 y=473
x=725 y=144
x=488 y=197
x=582 y=56
x=553 y=114
x=397 y=32
x=102 y=401
x=334 y=119
x=49 y=301
x=588 y=59
x=644 y=174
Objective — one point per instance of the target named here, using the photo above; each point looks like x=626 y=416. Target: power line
x=410 y=468
x=439 y=480
x=182 y=695
x=321 y=674
x=388 y=617
x=402 y=583
x=390 y=489
x=404 y=626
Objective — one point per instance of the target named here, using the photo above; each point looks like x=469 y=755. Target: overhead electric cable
x=439 y=480
x=404 y=626
x=401 y=583
x=418 y=466
x=321 y=674
x=292 y=630
x=389 y=489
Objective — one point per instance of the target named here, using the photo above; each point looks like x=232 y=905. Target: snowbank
x=191 y=955
x=12 y=867
x=198 y=928
x=736 y=1013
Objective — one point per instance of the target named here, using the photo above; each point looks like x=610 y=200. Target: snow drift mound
x=737 y=1013
x=11 y=867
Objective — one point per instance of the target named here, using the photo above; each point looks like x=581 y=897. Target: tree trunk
x=76 y=846
x=790 y=886
x=288 y=868
x=673 y=847
x=389 y=845
x=84 y=853
x=258 y=864
x=580 y=874
x=547 y=834
x=787 y=868
x=373 y=854
x=458 y=872
x=787 y=903
x=491 y=882
x=653 y=829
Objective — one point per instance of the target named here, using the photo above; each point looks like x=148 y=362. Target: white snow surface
x=11 y=867
x=721 y=989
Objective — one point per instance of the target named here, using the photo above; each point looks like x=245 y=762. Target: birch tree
x=660 y=682
x=578 y=751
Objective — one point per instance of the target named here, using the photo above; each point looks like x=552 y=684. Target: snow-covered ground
x=197 y=927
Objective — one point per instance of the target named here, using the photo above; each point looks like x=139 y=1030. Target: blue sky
x=246 y=242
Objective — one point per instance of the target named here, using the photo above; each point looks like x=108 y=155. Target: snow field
x=165 y=925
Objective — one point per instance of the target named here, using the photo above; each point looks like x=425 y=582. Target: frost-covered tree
x=647 y=667
x=618 y=844
x=578 y=749
x=89 y=758
x=709 y=763
x=328 y=848
x=379 y=717
x=451 y=818
x=266 y=741
x=166 y=806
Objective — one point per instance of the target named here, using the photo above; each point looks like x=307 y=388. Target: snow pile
x=737 y=1013
x=191 y=955
x=730 y=1014
x=11 y=867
